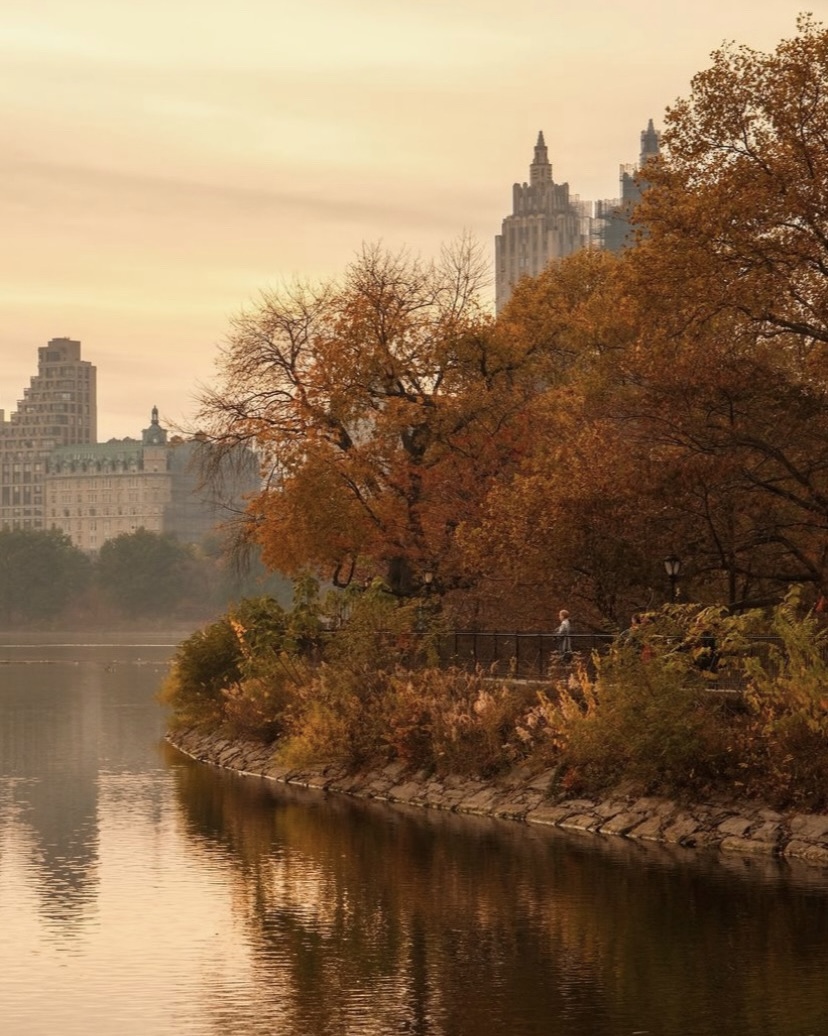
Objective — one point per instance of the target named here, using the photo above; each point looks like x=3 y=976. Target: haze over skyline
x=163 y=163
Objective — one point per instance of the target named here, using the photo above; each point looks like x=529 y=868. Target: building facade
x=59 y=408
x=97 y=491
x=546 y=223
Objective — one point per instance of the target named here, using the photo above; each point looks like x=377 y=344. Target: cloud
x=163 y=161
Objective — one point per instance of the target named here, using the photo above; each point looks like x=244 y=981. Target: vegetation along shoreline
x=632 y=741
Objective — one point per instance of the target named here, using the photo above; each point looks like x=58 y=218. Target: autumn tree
x=676 y=413
x=733 y=277
x=619 y=408
x=575 y=522
x=376 y=404
x=738 y=203
x=690 y=410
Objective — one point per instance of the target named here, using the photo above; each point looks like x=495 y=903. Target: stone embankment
x=524 y=795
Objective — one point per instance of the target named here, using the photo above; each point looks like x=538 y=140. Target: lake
x=143 y=893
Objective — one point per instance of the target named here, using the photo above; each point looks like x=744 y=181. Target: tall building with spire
x=617 y=230
x=544 y=224
x=57 y=409
x=547 y=223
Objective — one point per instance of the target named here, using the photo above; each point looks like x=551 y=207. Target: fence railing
x=539 y=656
x=525 y=656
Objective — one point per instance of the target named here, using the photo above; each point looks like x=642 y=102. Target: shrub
x=440 y=721
x=204 y=665
x=788 y=696
x=375 y=632
x=650 y=729
x=791 y=680
x=209 y=666
x=333 y=718
x=646 y=719
x=454 y=721
x=259 y=704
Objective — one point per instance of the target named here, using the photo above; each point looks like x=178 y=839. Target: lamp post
x=672 y=566
x=424 y=601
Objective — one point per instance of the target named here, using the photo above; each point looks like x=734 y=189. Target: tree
x=733 y=282
x=146 y=574
x=738 y=204
x=41 y=574
x=619 y=409
x=641 y=443
x=568 y=524
x=376 y=406
x=687 y=381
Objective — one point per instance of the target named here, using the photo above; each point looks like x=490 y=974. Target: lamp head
x=672 y=565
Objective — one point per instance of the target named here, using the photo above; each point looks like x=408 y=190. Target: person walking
x=564 y=635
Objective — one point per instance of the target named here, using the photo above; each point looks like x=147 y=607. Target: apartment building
x=59 y=408
x=97 y=491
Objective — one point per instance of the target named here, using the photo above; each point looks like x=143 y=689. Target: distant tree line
x=141 y=576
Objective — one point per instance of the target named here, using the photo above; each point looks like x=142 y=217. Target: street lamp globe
x=672 y=565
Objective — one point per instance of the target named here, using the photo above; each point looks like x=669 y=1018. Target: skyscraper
x=58 y=408
x=617 y=231
x=544 y=224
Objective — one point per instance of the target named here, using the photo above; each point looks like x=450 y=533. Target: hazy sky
x=163 y=161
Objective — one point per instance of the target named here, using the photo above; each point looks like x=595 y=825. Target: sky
x=163 y=162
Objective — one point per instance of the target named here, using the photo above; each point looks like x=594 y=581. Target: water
x=141 y=893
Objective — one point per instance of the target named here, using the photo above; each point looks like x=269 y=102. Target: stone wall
x=523 y=794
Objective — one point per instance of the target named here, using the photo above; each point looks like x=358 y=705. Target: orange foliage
x=381 y=409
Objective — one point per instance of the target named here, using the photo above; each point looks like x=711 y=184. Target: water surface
x=143 y=893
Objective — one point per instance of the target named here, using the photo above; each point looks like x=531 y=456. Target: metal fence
x=539 y=656
x=530 y=656
x=524 y=656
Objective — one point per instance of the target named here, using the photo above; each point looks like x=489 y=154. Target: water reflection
x=65 y=723
x=54 y=796
x=367 y=919
x=144 y=895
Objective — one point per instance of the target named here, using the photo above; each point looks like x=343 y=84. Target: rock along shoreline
x=523 y=795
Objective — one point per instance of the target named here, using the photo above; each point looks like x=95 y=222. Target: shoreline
x=737 y=826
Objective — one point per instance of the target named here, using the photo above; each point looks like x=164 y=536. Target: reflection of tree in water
x=49 y=749
x=366 y=919
x=363 y=914
x=65 y=855
x=61 y=726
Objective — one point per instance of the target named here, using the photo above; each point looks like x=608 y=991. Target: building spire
x=650 y=144
x=540 y=171
x=155 y=435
